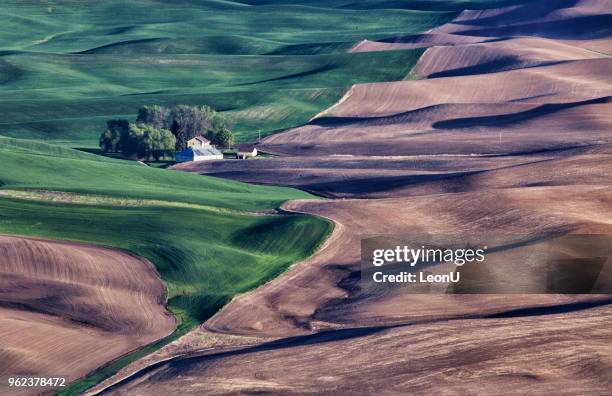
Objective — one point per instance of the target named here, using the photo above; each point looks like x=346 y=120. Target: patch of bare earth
x=67 y=308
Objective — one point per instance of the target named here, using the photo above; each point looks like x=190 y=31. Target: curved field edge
x=269 y=245
x=188 y=226
x=65 y=302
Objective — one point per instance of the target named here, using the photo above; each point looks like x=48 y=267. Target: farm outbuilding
x=199 y=154
x=245 y=152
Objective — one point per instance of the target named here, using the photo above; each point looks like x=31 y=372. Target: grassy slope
x=66 y=68
x=204 y=254
x=32 y=165
x=190 y=247
x=219 y=212
x=73 y=103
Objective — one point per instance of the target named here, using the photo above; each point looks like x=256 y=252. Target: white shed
x=198 y=154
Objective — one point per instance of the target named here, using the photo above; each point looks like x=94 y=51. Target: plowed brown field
x=509 y=133
x=66 y=308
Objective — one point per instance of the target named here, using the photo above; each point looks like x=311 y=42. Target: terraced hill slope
x=503 y=95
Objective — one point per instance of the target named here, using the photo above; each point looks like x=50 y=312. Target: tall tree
x=110 y=140
x=184 y=121
x=133 y=144
x=155 y=116
x=189 y=121
x=145 y=141
x=158 y=142
x=224 y=138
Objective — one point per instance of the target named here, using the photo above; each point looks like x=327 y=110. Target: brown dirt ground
x=67 y=308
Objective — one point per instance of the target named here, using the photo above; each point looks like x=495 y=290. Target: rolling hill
x=201 y=234
x=66 y=68
x=508 y=133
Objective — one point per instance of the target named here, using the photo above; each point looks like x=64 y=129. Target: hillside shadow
x=371 y=185
x=498 y=65
x=514 y=118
